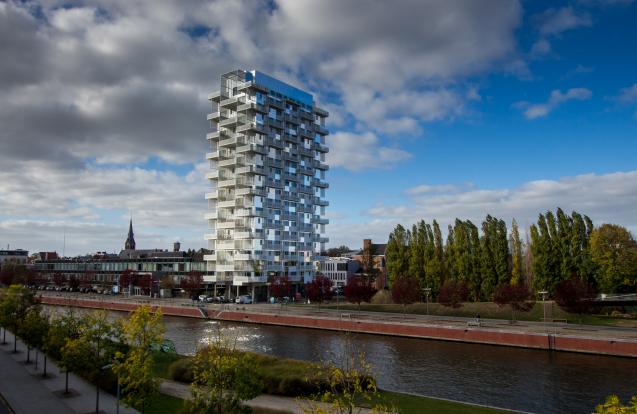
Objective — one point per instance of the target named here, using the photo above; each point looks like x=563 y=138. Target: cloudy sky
x=439 y=109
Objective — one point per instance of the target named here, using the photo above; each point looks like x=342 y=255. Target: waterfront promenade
x=26 y=392
x=616 y=341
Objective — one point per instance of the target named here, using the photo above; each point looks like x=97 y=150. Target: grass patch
x=412 y=404
x=165 y=404
x=490 y=310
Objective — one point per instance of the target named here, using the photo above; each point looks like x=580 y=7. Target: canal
x=521 y=379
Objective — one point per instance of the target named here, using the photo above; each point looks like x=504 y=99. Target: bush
x=181 y=371
x=453 y=293
x=382 y=297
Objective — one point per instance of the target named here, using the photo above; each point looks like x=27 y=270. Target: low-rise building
x=338 y=269
x=17 y=256
x=372 y=262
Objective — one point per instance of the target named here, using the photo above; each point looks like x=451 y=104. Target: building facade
x=338 y=269
x=372 y=262
x=267 y=182
x=18 y=257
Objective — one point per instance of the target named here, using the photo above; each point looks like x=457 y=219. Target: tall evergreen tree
x=417 y=252
x=397 y=253
x=515 y=245
x=450 y=258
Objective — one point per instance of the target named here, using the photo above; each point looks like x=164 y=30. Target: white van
x=243 y=299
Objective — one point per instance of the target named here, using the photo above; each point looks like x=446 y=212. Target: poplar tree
x=417 y=252
x=397 y=253
x=515 y=245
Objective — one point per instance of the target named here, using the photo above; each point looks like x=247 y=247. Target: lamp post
x=544 y=293
x=104 y=368
x=427 y=292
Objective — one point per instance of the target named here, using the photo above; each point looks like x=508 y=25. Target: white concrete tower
x=267 y=183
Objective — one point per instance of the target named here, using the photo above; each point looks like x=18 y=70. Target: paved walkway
x=26 y=392
x=265 y=401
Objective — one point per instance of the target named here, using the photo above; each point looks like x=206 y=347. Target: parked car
x=243 y=299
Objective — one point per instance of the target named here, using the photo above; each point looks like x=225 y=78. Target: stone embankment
x=592 y=340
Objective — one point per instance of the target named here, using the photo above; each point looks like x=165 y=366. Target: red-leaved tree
x=319 y=290
x=518 y=296
x=280 y=287
x=574 y=295
x=452 y=293
x=74 y=282
x=405 y=291
x=6 y=275
x=127 y=280
x=358 y=290
x=58 y=279
x=192 y=283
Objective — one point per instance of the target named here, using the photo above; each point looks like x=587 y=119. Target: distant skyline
x=438 y=109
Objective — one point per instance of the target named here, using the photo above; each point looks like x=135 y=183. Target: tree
x=34 y=329
x=319 y=289
x=494 y=255
x=574 y=295
x=223 y=379
x=367 y=262
x=166 y=282
x=416 y=251
x=358 y=290
x=280 y=287
x=6 y=275
x=613 y=405
x=58 y=279
x=192 y=283
x=126 y=280
x=62 y=329
x=614 y=251
x=453 y=293
x=350 y=384
x=141 y=332
x=74 y=282
x=405 y=291
x=76 y=355
x=396 y=254
x=517 y=295
x=338 y=251
x=434 y=258
x=515 y=246
x=16 y=303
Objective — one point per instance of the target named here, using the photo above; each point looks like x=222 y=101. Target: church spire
x=130 y=241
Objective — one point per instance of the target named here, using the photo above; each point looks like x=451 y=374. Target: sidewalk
x=27 y=392
x=264 y=401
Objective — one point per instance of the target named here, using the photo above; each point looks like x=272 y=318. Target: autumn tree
x=574 y=295
x=517 y=296
x=141 y=332
x=405 y=291
x=614 y=251
x=280 y=287
x=350 y=384
x=453 y=293
x=16 y=303
x=34 y=329
x=319 y=290
x=58 y=279
x=358 y=290
x=223 y=378
x=192 y=283
x=74 y=282
x=515 y=247
x=62 y=329
x=613 y=405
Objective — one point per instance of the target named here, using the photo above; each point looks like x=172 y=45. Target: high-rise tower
x=267 y=182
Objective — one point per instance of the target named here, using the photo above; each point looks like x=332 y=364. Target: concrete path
x=26 y=392
x=264 y=401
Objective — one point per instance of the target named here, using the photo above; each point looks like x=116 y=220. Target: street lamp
x=104 y=368
x=427 y=292
x=544 y=293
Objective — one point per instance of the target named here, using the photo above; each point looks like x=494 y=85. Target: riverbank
x=556 y=337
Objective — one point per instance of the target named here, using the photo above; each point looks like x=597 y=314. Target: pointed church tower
x=130 y=241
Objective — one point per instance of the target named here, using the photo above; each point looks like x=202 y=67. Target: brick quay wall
x=471 y=334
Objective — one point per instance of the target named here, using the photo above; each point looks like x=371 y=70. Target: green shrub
x=181 y=371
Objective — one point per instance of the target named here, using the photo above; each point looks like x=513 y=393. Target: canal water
x=535 y=381
x=521 y=379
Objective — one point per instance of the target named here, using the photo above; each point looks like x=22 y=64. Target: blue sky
x=460 y=110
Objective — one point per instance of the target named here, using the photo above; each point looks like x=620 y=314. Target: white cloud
x=533 y=111
x=607 y=198
x=361 y=151
x=556 y=21
x=426 y=189
x=628 y=94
